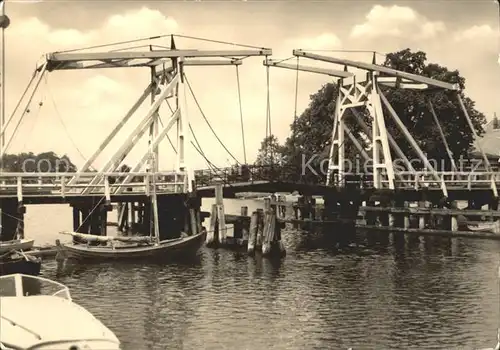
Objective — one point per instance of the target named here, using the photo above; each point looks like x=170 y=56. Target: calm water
x=425 y=294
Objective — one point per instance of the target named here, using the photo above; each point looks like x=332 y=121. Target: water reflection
x=379 y=291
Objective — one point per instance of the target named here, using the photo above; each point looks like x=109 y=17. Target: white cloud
x=324 y=41
x=396 y=21
x=477 y=32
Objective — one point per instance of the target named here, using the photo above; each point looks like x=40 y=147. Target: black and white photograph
x=249 y=175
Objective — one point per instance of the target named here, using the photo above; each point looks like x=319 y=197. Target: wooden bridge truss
x=364 y=90
x=167 y=83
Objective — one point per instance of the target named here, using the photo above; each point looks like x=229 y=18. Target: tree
x=270 y=152
x=311 y=132
x=413 y=109
x=42 y=162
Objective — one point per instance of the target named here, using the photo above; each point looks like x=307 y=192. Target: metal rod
x=474 y=133
x=443 y=137
x=26 y=108
x=2 y=119
x=241 y=115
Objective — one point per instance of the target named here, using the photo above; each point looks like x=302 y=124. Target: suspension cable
x=441 y=133
x=268 y=114
x=208 y=123
x=296 y=90
x=268 y=103
x=241 y=115
x=59 y=116
x=160 y=37
x=91 y=212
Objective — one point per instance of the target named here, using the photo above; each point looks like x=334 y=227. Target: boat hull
x=176 y=248
x=10 y=266
x=19 y=244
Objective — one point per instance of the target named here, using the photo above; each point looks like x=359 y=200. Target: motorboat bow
x=39 y=314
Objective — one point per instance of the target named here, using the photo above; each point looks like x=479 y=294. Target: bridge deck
x=67 y=187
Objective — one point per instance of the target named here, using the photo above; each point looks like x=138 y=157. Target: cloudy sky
x=79 y=108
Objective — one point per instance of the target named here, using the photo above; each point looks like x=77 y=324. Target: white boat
x=16 y=244
x=38 y=313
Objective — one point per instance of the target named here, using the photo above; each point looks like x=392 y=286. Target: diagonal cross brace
x=154 y=144
x=137 y=133
x=113 y=133
x=412 y=141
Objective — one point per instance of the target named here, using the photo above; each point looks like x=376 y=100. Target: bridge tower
x=167 y=71
x=363 y=90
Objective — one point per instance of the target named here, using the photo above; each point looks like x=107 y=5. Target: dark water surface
x=420 y=294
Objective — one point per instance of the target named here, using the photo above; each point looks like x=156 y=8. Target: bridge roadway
x=47 y=188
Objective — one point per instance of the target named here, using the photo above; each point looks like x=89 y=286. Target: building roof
x=490 y=141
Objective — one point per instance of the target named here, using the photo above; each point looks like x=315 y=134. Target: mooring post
x=270 y=235
x=260 y=228
x=252 y=237
x=391 y=217
x=406 y=219
x=219 y=201
x=454 y=218
x=213 y=232
x=266 y=241
x=244 y=227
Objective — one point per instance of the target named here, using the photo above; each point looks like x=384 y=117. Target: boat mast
x=4 y=23
x=155 y=203
x=153 y=165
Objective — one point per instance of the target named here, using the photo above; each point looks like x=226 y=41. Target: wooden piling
x=406 y=219
x=130 y=216
x=252 y=237
x=269 y=231
x=422 y=218
x=213 y=234
x=260 y=228
x=454 y=218
x=244 y=227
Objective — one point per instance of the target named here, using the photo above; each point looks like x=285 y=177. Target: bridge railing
x=59 y=185
x=249 y=173
x=424 y=179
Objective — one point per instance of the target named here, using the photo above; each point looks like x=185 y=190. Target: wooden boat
x=38 y=313
x=16 y=244
x=134 y=247
x=149 y=247
x=485 y=227
x=19 y=262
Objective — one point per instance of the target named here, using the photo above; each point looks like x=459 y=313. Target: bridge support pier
x=21 y=210
x=271 y=244
x=217 y=232
x=406 y=218
x=11 y=216
x=90 y=217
